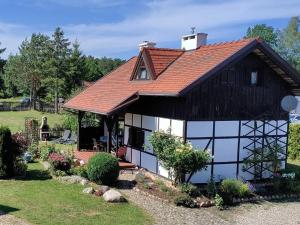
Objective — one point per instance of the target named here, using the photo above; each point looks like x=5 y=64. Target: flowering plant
x=59 y=162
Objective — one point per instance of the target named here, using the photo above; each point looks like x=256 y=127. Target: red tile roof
x=176 y=69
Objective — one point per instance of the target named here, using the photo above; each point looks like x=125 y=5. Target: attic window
x=142 y=74
x=254 y=78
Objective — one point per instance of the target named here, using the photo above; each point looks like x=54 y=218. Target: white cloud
x=165 y=21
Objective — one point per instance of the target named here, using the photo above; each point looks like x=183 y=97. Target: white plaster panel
x=244 y=174
x=148 y=162
x=150 y=122
x=202 y=176
x=147 y=146
x=225 y=150
x=226 y=128
x=177 y=128
x=283 y=127
x=128 y=154
x=128 y=118
x=199 y=129
x=126 y=135
x=224 y=171
x=137 y=120
x=246 y=142
x=201 y=143
x=162 y=171
x=270 y=127
x=164 y=124
x=135 y=157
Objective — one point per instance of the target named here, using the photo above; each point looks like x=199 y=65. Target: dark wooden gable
x=226 y=95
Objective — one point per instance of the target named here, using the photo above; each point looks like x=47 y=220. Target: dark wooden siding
x=225 y=96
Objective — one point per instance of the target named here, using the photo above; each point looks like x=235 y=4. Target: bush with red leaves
x=59 y=162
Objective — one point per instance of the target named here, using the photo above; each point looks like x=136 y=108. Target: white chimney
x=146 y=44
x=193 y=41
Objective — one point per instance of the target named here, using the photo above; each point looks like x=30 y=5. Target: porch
x=86 y=155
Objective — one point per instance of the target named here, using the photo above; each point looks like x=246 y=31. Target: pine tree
x=61 y=54
x=265 y=32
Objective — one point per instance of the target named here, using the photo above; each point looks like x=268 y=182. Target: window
x=142 y=74
x=254 y=78
x=136 y=137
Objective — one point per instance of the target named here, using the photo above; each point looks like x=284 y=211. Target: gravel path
x=6 y=219
x=266 y=213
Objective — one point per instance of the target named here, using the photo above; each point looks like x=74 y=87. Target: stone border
x=265 y=197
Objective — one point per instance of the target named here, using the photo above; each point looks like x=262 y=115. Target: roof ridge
x=229 y=42
x=167 y=49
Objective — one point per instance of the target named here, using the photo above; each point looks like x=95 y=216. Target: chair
x=64 y=138
x=96 y=145
x=72 y=139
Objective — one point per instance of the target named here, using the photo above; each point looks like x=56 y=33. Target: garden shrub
x=219 y=202
x=70 y=122
x=190 y=189
x=103 y=168
x=233 y=188
x=185 y=200
x=79 y=171
x=46 y=150
x=10 y=155
x=20 y=140
x=294 y=141
x=178 y=156
x=34 y=150
x=211 y=187
x=59 y=162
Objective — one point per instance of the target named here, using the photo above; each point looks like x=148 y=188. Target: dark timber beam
x=79 y=119
x=110 y=122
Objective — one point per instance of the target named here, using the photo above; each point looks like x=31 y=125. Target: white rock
x=88 y=190
x=113 y=196
x=84 y=182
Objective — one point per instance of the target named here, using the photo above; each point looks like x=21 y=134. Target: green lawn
x=16 y=120
x=15 y=99
x=41 y=200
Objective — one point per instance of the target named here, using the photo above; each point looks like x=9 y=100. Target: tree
x=76 y=67
x=11 y=82
x=27 y=70
x=263 y=31
x=2 y=63
x=289 y=43
x=60 y=55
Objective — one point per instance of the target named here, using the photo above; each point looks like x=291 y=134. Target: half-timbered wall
x=230 y=142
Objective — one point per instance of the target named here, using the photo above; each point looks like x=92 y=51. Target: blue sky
x=114 y=28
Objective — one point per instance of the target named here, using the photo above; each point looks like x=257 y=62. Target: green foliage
x=178 y=156
x=211 y=187
x=103 y=168
x=185 y=200
x=289 y=43
x=219 y=202
x=34 y=150
x=59 y=173
x=46 y=150
x=70 y=122
x=263 y=31
x=10 y=163
x=190 y=189
x=294 y=141
x=79 y=171
x=234 y=188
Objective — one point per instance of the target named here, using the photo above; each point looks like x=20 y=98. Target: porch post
x=109 y=125
x=79 y=119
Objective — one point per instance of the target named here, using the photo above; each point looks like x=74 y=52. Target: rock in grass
x=84 y=182
x=88 y=190
x=113 y=196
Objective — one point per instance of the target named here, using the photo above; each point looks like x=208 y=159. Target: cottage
x=225 y=97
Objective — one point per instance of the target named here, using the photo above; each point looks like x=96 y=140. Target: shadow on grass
x=35 y=174
x=6 y=209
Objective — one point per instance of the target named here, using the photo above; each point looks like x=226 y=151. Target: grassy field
x=42 y=200
x=16 y=120
x=15 y=99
